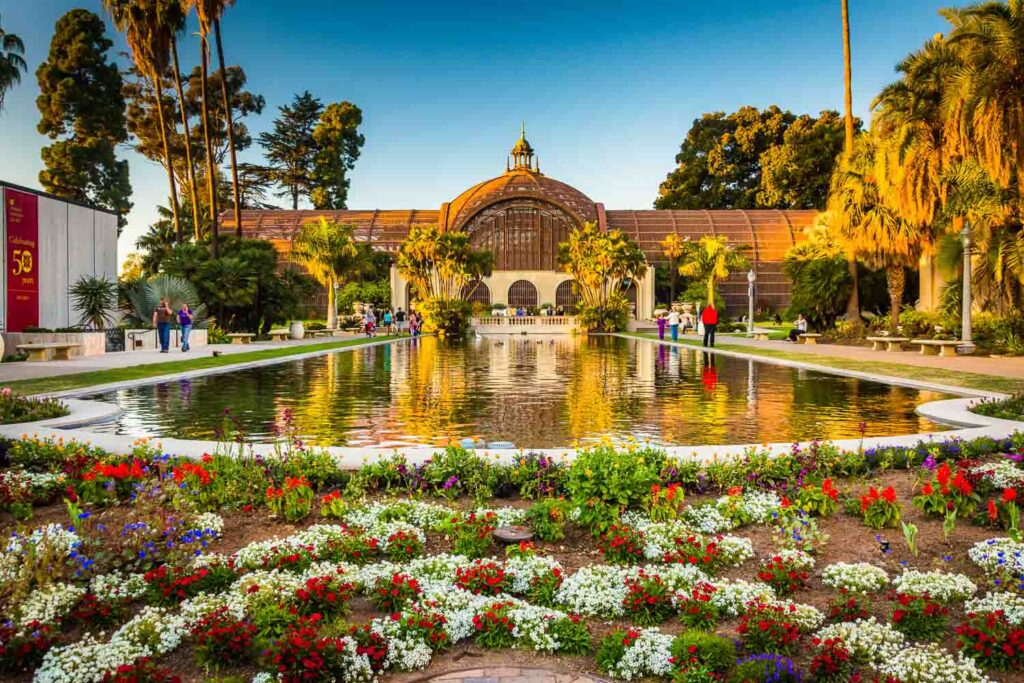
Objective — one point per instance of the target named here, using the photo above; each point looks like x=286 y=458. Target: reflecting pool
x=535 y=392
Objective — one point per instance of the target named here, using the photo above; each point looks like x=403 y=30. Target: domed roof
x=517 y=183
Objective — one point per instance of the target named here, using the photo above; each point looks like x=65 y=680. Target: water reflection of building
x=523 y=214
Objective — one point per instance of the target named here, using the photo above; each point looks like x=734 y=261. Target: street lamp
x=751 y=279
x=966 y=336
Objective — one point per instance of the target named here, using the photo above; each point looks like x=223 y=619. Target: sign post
x=21 y=260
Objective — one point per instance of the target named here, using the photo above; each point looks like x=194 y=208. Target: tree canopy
x=754 y=158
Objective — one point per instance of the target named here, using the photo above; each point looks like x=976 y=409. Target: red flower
x=993 y=512
x=889 y=495
x=1009 y=495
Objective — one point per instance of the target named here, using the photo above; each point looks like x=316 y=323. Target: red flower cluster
x=873 y=496
x=768 y=628
x=393 y=594
x=188 y=469
x=694 y=550
x=220 y=639
x=494 y=627
x=174 y=585
x=429 y=625
x=623 y=544
x=324 y=594
x=782 y=575
x=23 y=649
x=648 y=601
x=304 y=655
x=142 y=670
x=848 y=607
x=481 y=578
x=918 y=616
x=831 y=661
x=119 y=472
x=372 y=645
x=990 y=638
x=403 y=546
x=829 y=489
x=696 y=609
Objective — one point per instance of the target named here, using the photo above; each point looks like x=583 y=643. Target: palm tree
x=870 y=227
x=12 y=64
x=148 y=29
x=95 y=297
x=711 y=259
x=210 y=13
x=176 y=11
x=987 y=92
x=329 y=252
x=853 y=304
x=672 y=249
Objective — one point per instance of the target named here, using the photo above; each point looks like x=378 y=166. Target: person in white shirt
x=673 y=324
x=801 y=328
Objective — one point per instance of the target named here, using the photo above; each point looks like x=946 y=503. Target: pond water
x=535 y=392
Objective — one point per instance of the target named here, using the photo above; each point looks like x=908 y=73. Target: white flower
x=998 y=556
x=115 y=587
x=208 y=521
x=707 y=519
x=1002 y=474
x=49 y=604
x=797 y=558
x=930 y=664
x=523 y=570
x=597 y=590
x=647 y=656
x=1011 y=604
x=867 y=640
x=731 y=597
x=858 y=577
x=758 y=506
x=941 y=586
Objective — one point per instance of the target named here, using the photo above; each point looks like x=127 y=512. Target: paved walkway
x=511 y=674
x=10 y=372
x=986 y=365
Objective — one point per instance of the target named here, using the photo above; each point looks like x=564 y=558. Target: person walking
x=389 y=321
x=185 y=320
x=400 y=320
x=801 y=328
x=709 y=317
x=163 y=316
x=673 y=324
x=662 y=322
x=369 y=322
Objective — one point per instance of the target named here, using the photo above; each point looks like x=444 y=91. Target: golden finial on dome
x=522 y=152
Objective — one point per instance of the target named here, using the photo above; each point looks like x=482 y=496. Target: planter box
x=90 y=343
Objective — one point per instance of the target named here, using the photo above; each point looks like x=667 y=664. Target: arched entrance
x=476 y=292
x=567 y=296
x=522 y=293
x=630 y=292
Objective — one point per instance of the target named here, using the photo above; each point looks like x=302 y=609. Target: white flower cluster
x=797 y=558
x=27 y=485
x=406 y=652
x=208 y=521
x=116 y=587
x=416 y=512
x=1010 y=604
x=941 y=586
x=599 y=590
x=194 y=610
x=523 y=570
x=49 y=604
x=930 y=664
x=707 y=519
x=868 y=640
x=264 y=677
x=731 y=596
x=857 y=577
x=734 y=550
x=382 y=531
x=807 y=617
x=758 y=506
x=507 y=516
x=648 y=655
x=1002 y=474
x=998 y=556
x=660 y=538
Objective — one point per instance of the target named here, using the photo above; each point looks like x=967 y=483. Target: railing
x=525 y=321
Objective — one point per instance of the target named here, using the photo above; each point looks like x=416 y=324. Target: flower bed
x=285 y=568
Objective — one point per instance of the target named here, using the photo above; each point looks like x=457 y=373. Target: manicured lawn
x=48 y=385
x=969 y=380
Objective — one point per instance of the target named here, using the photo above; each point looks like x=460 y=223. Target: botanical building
x=522 y=215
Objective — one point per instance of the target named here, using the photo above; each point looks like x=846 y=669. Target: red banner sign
x=22 y=260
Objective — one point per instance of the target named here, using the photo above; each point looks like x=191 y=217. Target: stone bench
x=761 y=336
x=43 y=352
x=808 y=338
x=887 y=343
x=278 y=335
x=937 y=347
x=241 y=337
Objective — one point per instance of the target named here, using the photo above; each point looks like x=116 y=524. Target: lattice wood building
x=522 y=215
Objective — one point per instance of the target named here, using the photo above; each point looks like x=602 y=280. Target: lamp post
x=966 y=336
x=751 y=279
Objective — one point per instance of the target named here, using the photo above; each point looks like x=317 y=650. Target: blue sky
x=607 y=88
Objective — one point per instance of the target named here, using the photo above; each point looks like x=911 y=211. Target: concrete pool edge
x=948 y=411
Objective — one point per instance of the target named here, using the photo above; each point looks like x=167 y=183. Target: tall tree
x=796 y=174
x=672 y=249
x=853 y=304
x=148 y=26
x=290 y=148
x=190 y=168
x=81 y=107
x=12 y=64
x=329 y=252
x=339 y=143
x=710 y=260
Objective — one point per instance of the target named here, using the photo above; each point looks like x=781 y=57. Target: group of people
x=708 y=317
x=393 y=322
x=164 y=316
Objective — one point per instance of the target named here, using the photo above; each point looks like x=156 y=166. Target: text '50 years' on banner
x=22 y=259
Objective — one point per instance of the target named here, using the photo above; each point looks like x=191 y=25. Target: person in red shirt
x=709 y=316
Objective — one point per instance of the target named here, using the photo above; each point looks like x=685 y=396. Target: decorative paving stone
x=507 y=535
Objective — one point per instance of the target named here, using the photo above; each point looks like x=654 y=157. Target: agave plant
x=146 y=294
x=96 y=299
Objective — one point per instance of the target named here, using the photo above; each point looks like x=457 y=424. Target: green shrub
x=1008 y=409
x=602 y=482
x=15 y=408
x=611 y=316
x=547 y=519
x=714 y=652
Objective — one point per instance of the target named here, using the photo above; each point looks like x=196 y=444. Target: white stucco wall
x=105 y=235
x=53 y=263
x=81 y=249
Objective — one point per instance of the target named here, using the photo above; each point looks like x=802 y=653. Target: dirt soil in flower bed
x=849 y=541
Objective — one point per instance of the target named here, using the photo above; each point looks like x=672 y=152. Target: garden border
x=84 y=412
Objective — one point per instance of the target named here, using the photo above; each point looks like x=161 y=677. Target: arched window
x=567 y=295
x=476 y=292
x=522 y=293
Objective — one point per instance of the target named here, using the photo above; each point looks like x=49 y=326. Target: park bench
x=888 y=343
x=808 y=338
x=278 y=335
x=44 y=351
x=241 y=337
x=761 y=334
x=937 y=347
